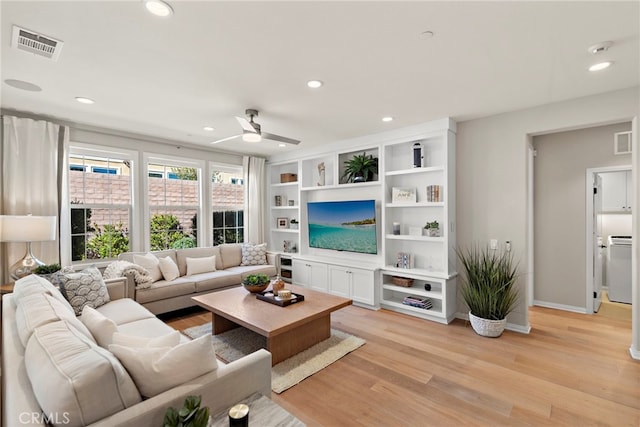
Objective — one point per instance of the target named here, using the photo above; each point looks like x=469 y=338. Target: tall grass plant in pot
x=488 y=288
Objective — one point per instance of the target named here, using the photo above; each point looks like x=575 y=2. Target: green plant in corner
x=488 y=282
x=360 y=168
x=47 y=269
x=190 y=415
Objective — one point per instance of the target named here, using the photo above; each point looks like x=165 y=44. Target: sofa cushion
x=164 y=289
x=84 y=287
x=168 y=268
x=171 y=339
x=201 y=265
x=34 y=284
x=216 y=280
x=231 y=254
x=125 y=310
x=182 y=255
x=36 y=310
x=150 y=263
x=154 y=369
x=244 y=271
x=101 y=327
x=148 y=328
x=66 y=370
x=254 y=254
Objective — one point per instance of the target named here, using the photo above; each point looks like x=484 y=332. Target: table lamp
x=26 y=228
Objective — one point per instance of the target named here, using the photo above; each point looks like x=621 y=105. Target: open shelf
x=415 y=171
x=415 y=238
x=415 y=205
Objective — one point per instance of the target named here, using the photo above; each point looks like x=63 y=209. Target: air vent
x=35 y=43
x=622 y=143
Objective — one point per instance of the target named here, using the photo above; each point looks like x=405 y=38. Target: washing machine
x=619 y=268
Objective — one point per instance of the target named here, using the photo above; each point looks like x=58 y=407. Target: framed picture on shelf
x=282 y=222
x=403 y=195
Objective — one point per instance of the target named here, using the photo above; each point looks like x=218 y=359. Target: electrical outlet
x=493 y=244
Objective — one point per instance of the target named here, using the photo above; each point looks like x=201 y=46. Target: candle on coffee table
x=239 y=416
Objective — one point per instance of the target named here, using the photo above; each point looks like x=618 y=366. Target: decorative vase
x=277 y=284
x=321 y=174
x=486 y=327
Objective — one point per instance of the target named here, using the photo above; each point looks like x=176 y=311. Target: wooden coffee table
x=289 y=330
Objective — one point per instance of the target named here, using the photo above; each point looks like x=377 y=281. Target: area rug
x=234 y=344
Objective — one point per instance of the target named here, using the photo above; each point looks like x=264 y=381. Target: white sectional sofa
x=168 y=295
x=91 y=389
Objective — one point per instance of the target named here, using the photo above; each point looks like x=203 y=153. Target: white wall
x=560 y=211
x=492 y=169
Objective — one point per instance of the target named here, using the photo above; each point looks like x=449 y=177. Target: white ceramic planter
x=486 y=327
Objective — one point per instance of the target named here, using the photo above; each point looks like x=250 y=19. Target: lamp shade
x=27 y=228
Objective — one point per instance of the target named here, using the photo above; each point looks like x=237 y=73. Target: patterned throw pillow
x=254 y=254
x=84 y=287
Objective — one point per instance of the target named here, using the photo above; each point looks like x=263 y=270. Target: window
x=227 y=201
x=100 y=205
x=174 y=203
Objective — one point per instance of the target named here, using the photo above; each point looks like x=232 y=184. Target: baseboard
x=564 y=307
x=635 y=353
x=509 y=326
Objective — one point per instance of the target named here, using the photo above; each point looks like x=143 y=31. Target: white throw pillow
x=201 y=265
x=155 y=370
x=171 y=339
x=101 y=327
x=169 y=269
x=150 y=263
x=254 y=254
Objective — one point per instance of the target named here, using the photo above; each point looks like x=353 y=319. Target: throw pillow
x=101 y=327
x=254 y=254
x=169 y=269
x=149 y=262
x=155 y=370
x=83 y=288
x=171 y=339
x=201 y=265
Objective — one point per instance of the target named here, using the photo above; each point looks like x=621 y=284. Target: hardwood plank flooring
x=571 y=370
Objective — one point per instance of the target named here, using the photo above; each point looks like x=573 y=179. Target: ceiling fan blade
x=280 y=138
x=245 y=124
x=226 y=139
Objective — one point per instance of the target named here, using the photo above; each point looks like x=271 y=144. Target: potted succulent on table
x=432 y=229
x=360 y=168
x=488 y=288
x=256 y=282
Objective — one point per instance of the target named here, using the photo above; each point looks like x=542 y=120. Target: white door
x=597 y=242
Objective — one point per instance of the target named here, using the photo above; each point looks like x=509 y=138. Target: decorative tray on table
x=270 y=297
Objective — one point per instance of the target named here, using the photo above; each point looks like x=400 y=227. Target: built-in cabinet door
x=614 y=191
x=363 y=286
x=629 y=190
x=339 y=281
x=300 y=273
x=310 y=274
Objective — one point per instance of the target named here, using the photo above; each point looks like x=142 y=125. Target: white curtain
x=29 y=182
x=254 y=199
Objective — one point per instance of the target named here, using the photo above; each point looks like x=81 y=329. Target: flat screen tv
x=343 y=226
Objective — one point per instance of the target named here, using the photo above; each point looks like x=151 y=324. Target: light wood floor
x=572 y=370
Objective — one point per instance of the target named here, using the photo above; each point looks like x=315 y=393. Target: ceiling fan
x=251 y=131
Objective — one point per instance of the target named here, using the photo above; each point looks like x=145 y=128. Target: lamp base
x=25 y=266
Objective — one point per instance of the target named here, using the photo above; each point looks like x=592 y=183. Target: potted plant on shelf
x=190 y=415
x=293 y=224
x=256 y=282
x=360 y=168
x=488 y=288
x=432 y=229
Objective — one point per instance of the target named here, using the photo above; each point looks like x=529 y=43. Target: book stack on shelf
x=419 y=302
x=434 y=193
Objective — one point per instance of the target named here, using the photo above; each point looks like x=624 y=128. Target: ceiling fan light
x=251 y=137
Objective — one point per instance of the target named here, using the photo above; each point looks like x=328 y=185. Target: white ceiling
x=169 y=77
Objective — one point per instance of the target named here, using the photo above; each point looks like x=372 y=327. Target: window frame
x=231 y=169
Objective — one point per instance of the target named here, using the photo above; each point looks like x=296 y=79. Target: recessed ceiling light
x=600 y=66
x=282 y=145
x=426 y=34
x=314 y=84
x=21 y=84
x=209 y=128
x=84 y=100
x=600 y=47
x=158 y=7
x=387 y=119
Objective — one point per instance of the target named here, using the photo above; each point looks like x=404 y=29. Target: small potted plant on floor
x=360 y=168
x=488 y=288
x=256 y=282
x=432 y=229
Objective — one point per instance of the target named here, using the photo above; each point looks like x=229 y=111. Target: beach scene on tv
x=343 y=226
